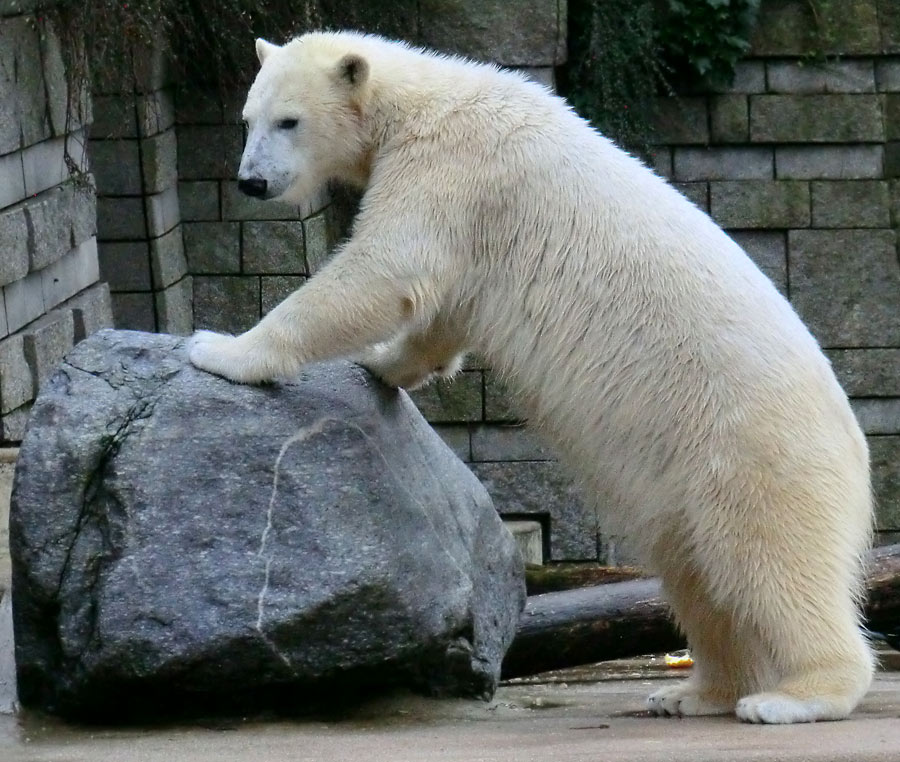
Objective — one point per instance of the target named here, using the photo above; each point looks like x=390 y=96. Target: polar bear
x=672 y=377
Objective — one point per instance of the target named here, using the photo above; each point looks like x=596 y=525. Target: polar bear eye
x=287 y=124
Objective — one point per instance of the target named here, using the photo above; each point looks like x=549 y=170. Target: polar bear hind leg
x=712 y=687
x=776 y=647
x=800 y=611
x=825 y=663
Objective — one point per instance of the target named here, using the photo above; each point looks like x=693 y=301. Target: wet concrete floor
x=593 y=713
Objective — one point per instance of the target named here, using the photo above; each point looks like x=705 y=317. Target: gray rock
x=718 y=163
x=867 y=372
x=846 y=286
x=885 y=455
x=91 y=310
x=199 y=200
x=8 y=702
x=729 y=118
x=456 y=401
x=851 y=204
x=847 y=162
x=184 y=544
x=768 y=250
x=133 y=311
x=273 y=248
x=825 y=76
x=681 y=121
x=759 y=204
x=274 y=289
x=167 y=259
x=796 y=28
x=212 y=248
x=17 y=381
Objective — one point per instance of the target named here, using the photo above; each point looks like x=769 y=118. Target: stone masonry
x=244 y=255
x=50 y=294
x=798 y=160
x=133 y=151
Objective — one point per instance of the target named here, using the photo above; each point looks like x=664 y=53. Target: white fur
x=685 y=699
x=671 y=375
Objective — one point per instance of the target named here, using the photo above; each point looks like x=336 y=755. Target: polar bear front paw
x=213 y=352
x=225 y=356
x=685 y=700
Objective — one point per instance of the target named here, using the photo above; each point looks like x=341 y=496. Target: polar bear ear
x=353 y=69
x=263 y=48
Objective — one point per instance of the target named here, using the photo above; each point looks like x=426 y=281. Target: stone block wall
x=798 y=161
x=244 y=255
x=134 y=154
x=50 y=294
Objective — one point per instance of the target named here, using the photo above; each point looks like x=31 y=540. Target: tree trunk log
x=591 y=624
x=883 y=593
x=567 y=576
x=612 y=621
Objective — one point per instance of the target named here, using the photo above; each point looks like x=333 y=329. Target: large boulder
x=184 y=544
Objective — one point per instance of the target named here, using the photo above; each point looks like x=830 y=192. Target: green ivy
x=623 y=53
x=615 y=66
x=210 y=41
x=702 y=40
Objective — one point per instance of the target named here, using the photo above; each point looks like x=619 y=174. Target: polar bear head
x=303 y=116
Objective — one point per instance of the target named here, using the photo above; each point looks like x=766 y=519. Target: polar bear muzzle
x=253 y=186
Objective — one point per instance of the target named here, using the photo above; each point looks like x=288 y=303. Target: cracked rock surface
x=185 y=545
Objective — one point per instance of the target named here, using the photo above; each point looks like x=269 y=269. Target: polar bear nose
x=254 y=186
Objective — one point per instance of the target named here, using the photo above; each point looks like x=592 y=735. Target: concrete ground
x=601 y=720
x=591 y=713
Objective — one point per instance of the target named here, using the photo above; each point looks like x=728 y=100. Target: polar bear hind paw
x=781 y=709
x=686 y=700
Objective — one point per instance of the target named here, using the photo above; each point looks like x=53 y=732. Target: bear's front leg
x=412 y=360
x=356 y=301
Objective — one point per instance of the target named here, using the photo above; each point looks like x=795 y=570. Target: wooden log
x=620 y=619
x=591 y=624
x=883 y=593
x=567 y=576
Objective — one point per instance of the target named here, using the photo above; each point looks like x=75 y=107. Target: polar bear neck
x=406 y=97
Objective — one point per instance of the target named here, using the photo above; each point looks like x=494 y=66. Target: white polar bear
x=671 y=375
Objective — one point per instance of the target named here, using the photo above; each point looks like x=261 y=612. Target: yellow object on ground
x=679 y=660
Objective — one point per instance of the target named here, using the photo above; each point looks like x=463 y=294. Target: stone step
x=8 y=457
x=529 y=536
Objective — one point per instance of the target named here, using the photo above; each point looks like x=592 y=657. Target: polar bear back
x=620 y=311
x=657 y=317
